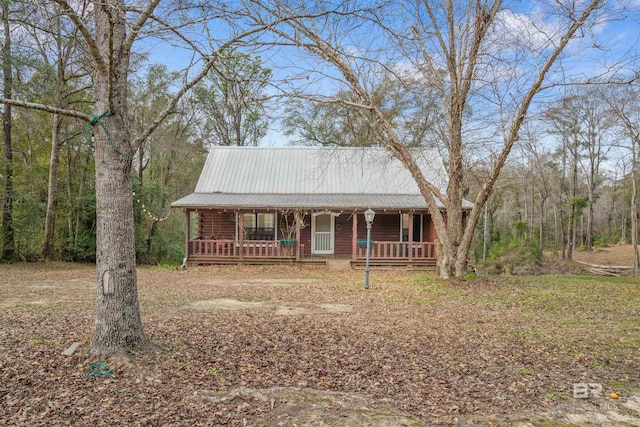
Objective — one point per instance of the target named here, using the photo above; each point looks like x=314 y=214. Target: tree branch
x=173 y=102
x=47 y=108
x=86 y=34
x=514 y=130
x=135 y=28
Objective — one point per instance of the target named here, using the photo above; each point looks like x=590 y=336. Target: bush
x=83 y=249
x=600 y=241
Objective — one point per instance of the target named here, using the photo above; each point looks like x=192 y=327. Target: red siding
x=216 y=225
x=343 y=232
x=305 y=236
x=219 y=225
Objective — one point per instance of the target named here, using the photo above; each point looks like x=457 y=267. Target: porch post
x=410 y=237
x=187 y=233
x=241 y=233
x=354 y=237
x=296 y=217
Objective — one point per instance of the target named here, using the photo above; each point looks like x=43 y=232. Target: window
x=259 y=226
x=404 y=227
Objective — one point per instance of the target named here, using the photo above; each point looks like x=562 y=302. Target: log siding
x=217 y=238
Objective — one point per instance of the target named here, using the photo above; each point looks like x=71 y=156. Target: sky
x=599 y=51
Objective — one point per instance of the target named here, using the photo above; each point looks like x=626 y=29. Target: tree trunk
x=150 y=236
x=634 y=210
x=52 y=192
x=571 y=234
x=8 y=239
x=118 y=326
x=588 y=244
x=543 y=199
x=485 y=232
x=623 y=226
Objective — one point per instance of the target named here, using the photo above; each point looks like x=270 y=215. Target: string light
x=152 y=216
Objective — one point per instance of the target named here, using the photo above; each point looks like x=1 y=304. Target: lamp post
x=369 y=214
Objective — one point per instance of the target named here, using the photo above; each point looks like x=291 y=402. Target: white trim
x=331 y=251
x=325 y=212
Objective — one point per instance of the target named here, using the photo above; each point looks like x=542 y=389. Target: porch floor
x=315 y=259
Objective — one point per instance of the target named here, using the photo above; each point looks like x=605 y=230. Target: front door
x=322 y=234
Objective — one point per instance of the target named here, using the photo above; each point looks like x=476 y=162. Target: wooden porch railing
x=398 y=251
x=208 y=249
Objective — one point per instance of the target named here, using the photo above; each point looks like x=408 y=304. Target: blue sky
x=617 y=41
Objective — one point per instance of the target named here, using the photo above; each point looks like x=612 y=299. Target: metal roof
x=308 y=201
x=312 y=170
x=311 y=177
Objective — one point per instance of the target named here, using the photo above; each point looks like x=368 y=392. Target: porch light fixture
x=369 y=215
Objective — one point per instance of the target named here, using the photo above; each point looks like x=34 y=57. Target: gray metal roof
x=309 y=201
x=311 y=177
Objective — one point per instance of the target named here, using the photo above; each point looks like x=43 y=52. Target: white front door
x=322 y=234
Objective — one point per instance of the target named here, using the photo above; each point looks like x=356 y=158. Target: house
x=254 y=204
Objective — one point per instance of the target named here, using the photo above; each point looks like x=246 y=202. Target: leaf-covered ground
x=488 y=350
x=607 y=255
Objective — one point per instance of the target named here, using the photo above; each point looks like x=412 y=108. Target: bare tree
x=595 y=125
x=412 y=106
x=566 y=123
x=231 y=100
x=625 y=104
x=541 y=171
x=455 y=47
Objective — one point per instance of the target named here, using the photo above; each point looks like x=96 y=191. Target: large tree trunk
x=8 y=240
x=118 y=326
x=623 y=225
x=52 y=192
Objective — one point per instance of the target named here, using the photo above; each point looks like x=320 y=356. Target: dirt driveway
x=306 y=346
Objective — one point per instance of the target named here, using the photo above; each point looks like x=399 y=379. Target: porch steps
x=418 y=265
x=395 y=267
x=339 y=264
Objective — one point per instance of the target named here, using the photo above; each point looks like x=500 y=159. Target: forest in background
x=569 y=184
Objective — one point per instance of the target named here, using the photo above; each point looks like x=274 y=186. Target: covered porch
x=222 y=236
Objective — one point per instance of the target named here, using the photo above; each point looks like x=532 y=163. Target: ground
x=287 y=345
x=607 y=255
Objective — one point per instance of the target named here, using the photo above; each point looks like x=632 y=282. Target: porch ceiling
x=306 y=201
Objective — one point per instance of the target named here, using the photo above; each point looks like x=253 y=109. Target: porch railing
x=207 y=249
x=398 y=250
